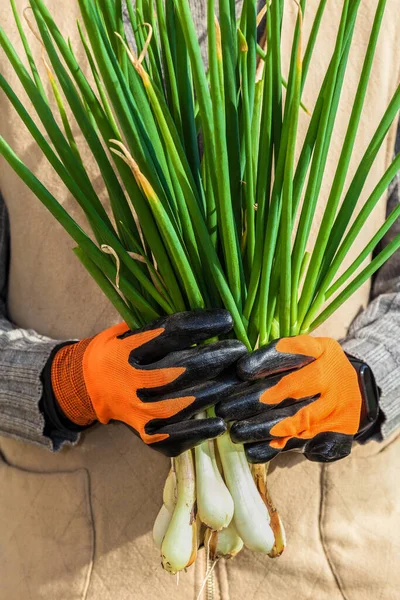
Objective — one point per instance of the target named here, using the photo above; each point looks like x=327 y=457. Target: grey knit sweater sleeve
x=23 y=354
x=374 y=336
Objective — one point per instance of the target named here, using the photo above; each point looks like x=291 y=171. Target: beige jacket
x=76 y=524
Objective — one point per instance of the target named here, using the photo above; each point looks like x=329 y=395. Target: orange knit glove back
x=152 y=379
x=306 y=395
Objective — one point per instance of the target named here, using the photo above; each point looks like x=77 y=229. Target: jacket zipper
x=210 y=587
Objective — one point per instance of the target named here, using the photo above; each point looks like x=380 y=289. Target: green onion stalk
x=209 y=205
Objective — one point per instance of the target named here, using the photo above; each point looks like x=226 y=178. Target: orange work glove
x=152 y=379
x=301 y=393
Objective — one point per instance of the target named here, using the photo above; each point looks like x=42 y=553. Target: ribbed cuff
x=68 y=383
x=57 y=425
x=386 y=372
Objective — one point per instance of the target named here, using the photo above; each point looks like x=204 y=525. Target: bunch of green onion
x=209 y=206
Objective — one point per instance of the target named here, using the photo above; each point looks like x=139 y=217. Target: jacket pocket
x=46 y=534
x=360 y=521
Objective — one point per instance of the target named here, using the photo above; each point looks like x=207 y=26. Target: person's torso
x=82 y=518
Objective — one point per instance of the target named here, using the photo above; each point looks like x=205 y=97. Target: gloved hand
x=152 y=379
x=301 y=393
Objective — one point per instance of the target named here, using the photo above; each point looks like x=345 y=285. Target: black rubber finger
x=181 y=331
x=245 y=402
x=188 y=434
x=258 y=428
x=201 y=363
x=294 y=444
x=269 y=361
x=328 y=447
x=205 y=395
x=260 y=452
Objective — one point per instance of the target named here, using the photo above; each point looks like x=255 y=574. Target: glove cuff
x=69 y=384
x=370 y=394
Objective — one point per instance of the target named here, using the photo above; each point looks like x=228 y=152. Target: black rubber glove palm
x=300 y=393
x=153 y=379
